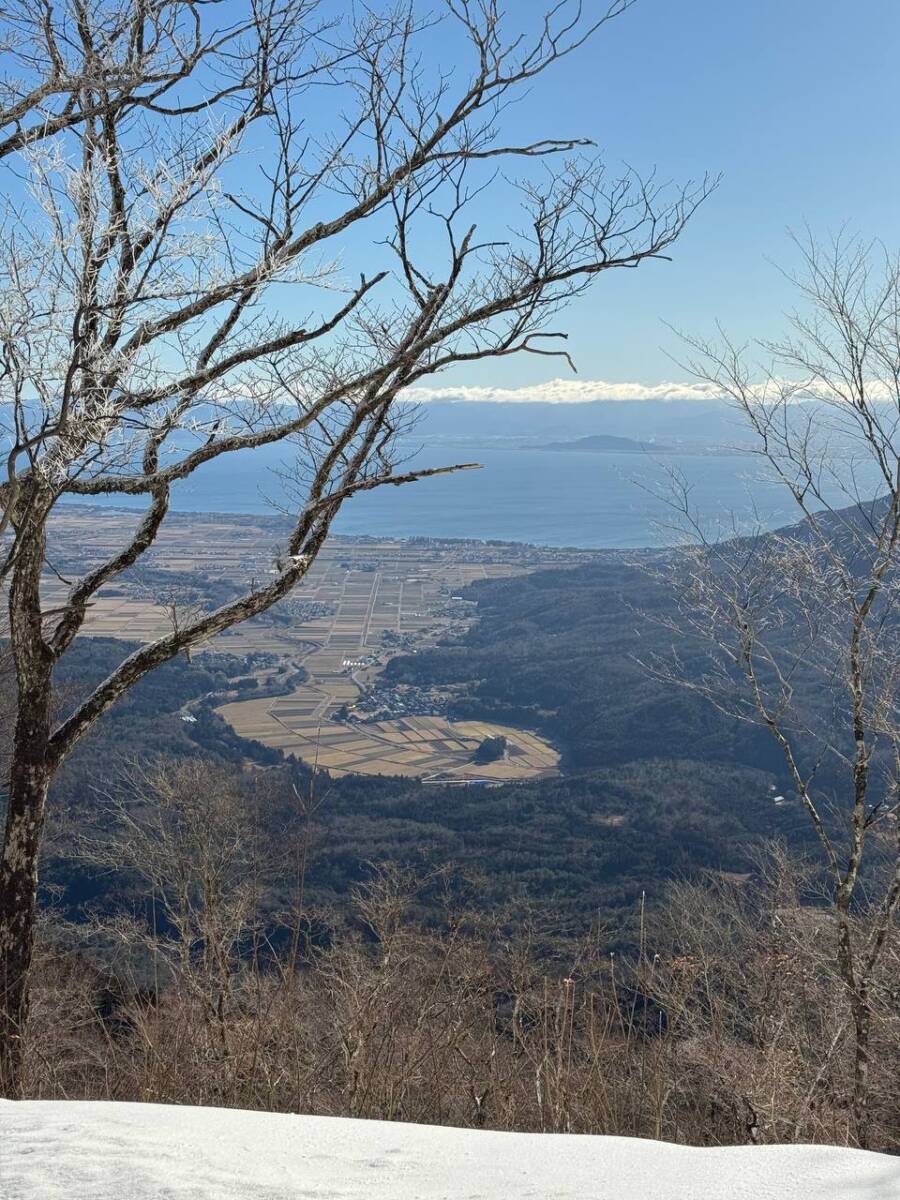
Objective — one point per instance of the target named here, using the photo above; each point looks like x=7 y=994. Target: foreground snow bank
x=57 y=1150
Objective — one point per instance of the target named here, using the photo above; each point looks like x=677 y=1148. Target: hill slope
x=608 y=443
x=63 y=1150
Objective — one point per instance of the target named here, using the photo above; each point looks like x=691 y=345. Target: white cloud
x=569 y=391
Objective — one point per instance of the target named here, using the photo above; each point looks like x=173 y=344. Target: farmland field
x=431 y=747
x=363 y=601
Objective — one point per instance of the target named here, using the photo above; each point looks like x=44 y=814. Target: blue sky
x=795 y=101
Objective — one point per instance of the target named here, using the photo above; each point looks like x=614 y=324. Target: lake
x=552 y=498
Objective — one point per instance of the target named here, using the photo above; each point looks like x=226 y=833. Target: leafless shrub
x=725 y=1025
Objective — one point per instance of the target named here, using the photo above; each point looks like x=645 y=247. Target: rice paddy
x=429 y=747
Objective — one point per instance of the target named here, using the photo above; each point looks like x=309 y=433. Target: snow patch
x=67 y=1150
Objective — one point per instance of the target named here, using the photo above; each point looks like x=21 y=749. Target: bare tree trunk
x=857 y=987
x=28 y=786
x=31 y=771
x=862 y=1021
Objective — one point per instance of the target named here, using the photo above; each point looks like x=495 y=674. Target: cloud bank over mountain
x=569 y=391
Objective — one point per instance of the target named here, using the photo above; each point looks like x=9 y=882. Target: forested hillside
x=561 y=651
x=655 y=783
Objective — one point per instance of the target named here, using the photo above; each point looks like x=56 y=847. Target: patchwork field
x=363 y=601
x=434 y=748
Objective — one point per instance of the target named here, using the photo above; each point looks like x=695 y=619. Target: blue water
x=551 y=498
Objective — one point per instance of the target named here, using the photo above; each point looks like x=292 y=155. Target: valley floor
x=65 y=1150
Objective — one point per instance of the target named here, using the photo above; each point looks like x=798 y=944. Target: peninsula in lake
x=607 y=443
x=610 y=444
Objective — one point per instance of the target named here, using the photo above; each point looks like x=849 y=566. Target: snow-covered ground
x=58 y=1150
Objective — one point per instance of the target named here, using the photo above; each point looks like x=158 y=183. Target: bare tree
x=803 y=623
x=191 y=838
x=79 y=62
x=174 y=290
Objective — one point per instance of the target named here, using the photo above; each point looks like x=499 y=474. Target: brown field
x=418 y=746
